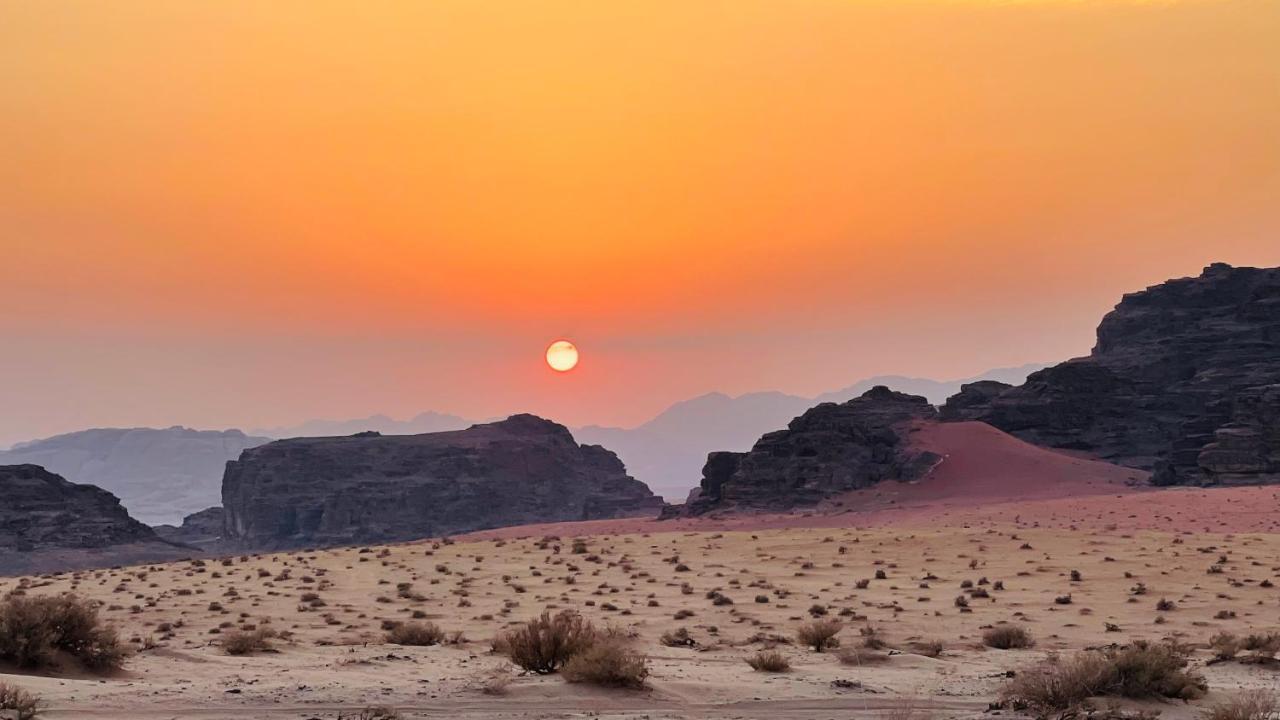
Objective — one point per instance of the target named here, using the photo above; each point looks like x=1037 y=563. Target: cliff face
x=160 y=475
x=1184 y=380
x=47 y=523
x=828 y=450
x=367 y=488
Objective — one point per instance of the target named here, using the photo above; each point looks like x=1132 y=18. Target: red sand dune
x=988 y=477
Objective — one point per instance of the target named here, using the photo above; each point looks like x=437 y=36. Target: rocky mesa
x=48 y=523
x=370 y=488
x=830 y=449
x=1184 y=380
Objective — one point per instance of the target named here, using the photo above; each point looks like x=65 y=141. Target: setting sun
x=562 y=356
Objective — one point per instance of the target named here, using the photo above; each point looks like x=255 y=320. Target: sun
x=562 y=356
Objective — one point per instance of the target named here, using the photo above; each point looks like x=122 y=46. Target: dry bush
x=769 y=661
x=1007 y=637
x=1138 y=671
x=547 y=642
x=22 y=704
x=929 y=648
x=495 y=684
x=1224 y=645
x=820 y=634
x=608 y=663
x=247 y=642
x=413 y=633
x=378 y=712
x=679 y=637
x=1059 y=684
x=909 y=708
x=1248 y=705
x=862 y=656
x=34 y=631
x=1153 y=670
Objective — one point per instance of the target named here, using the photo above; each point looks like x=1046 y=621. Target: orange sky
x=243 y=213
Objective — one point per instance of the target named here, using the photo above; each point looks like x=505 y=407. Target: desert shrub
x=929 y=648
x=820 y=634
x=1153 y=670
x=378 y=712
x=680 y=637
x=1059 y=684
x=247 y=642
x=769 y=661
x=1248 y=705
x=22 y=704
x=1007 y=637
x=608 y=663
x=1140 y=670
x=34 y=631
x=861 y=656
x=547 y=642
x=413 y=633
x=1224 y=645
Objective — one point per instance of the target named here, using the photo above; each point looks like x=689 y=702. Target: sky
x=230 y=213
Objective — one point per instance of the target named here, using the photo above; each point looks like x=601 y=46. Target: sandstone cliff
x=48 y=523
x=830 y=449
x=369 y=488
x=1184 y=380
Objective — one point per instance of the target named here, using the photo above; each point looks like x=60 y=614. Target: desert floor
x=636 y=577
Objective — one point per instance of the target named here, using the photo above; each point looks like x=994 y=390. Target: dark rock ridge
x=341 y=490
x=201 y=530
x=48 y=523
x=830 y=449
x=1184 y=380
x=160 y=475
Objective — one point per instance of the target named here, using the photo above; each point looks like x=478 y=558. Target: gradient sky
x=243 y=213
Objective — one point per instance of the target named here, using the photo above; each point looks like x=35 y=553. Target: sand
x=337 y=660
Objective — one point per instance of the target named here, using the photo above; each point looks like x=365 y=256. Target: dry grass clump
x=1140 y=670
x=418 y=634
x=608 y=663
x=547 y=643
x=247 y=642
x=20 y=703
x=1248 y=705
x=769 y=661
x=820 y=634
x=36 y=631
x=1007 y=637
x=862 y=656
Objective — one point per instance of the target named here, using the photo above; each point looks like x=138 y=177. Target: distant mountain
x=427 y=422
x=159 y=475
x=668 y=452
x=935 y=391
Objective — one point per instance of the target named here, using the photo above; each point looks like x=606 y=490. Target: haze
x=249 y=214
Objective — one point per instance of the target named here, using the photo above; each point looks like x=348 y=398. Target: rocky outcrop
x=201 y=530
x=1182 y=381
x=160 y=475
x=327 y=491
x=48 y=523
x=830 y=449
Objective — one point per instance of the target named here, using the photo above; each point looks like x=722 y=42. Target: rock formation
x=48 y=523
x=830 y=449
x=326 y=491
x=201 y=530
x=160 y=475
x=1184 y=380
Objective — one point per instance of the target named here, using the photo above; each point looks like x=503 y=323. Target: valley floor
x=333 y=604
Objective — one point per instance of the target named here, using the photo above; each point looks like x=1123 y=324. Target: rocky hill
x=1184 y=380
x=367 y=487
x=48 y=523
x=202 y=530
x=830 y=449
x=161 y=475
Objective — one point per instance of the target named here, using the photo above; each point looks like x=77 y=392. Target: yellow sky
x=239 y=213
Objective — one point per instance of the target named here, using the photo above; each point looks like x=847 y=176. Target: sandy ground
x=337 y=659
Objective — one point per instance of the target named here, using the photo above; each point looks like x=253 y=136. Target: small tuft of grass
x=1007 y=637
x=769 y=661
x=608 y=663
x=417 y=634
x=20 y=703
x=1248 y=705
